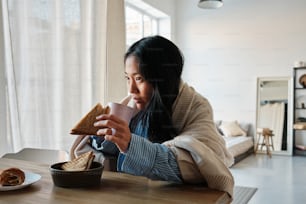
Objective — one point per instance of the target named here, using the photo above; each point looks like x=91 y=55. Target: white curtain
x=60 y=58
x=272 y=116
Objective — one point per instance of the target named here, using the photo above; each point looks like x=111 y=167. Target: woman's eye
x=127 y=78
x=138 y=78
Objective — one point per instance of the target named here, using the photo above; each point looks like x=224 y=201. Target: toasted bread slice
x=85 y=125
x=81 y=163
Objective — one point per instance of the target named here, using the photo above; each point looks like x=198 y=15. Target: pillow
x=231 y=128
x=246 y=127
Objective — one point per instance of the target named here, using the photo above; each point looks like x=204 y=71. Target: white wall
x=228 y=48
x=168 y=7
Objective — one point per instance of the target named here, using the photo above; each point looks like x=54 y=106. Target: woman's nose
x=132 y=86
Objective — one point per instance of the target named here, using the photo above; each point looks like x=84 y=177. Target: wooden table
x=115 y=188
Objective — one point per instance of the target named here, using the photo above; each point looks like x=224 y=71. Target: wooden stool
x=267 y=140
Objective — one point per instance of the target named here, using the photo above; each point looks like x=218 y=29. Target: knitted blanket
x=200 y=150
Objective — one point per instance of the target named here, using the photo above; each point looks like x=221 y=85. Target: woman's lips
x=137 y=100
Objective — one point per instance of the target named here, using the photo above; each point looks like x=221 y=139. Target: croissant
x=12 y=177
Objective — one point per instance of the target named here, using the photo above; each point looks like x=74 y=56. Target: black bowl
x=76 y=179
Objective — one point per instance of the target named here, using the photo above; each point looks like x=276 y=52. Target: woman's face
x=140 y=89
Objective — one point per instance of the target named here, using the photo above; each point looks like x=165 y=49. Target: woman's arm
x=152 y=160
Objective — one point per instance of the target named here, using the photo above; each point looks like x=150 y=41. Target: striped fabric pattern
x=152 y=160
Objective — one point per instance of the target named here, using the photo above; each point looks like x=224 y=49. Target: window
x=144 y=20
x=54 y=64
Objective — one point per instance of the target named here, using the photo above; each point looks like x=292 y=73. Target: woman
x=173 y=136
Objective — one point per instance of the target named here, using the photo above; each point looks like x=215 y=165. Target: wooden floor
x=279 y=179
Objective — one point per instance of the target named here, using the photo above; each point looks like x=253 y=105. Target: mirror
x=274 y=111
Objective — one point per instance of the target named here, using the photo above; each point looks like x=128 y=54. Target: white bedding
x=238 y=144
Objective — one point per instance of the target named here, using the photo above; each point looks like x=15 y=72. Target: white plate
x=30 y=178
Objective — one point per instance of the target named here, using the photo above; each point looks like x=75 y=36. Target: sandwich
x=85 y=125
x=81 y=163
x=12 y=177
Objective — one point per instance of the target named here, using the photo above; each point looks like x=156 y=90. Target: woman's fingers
x=111 y=125
x=115 y=130
x=104 y=131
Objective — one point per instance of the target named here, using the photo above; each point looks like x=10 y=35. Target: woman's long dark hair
x=161 y=64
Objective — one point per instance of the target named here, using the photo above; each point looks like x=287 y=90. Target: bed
x=238 y=137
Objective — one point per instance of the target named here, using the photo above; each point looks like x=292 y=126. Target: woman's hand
x=115 y=130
